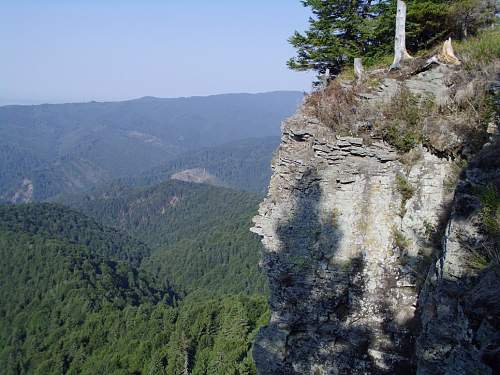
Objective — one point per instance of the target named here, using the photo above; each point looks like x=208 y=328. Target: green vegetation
x=56 y=292
x=71 y=302
x=68 y=148
x=164 y=213
x=401 y=244
x=241 y=165
x=480 y=50
x=404 y=119
x=477 y=259
x=338 y=32
x=214 y=336
x=300 y=263
x=15 y=163
x=457 y=167
x=406 y=190
x=443 y=125
x=221 y=260
x=400 y=241
x=490 y=210
x=486 y=251
x=403 y=139
x=59 y=223
x=489 y=250
x=199 y=233
x=429 y=231
x=341 y=30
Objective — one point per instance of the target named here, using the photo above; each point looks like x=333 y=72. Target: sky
x=81 y=50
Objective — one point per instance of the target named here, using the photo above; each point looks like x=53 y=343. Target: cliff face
x=359 y=245
x=460 y=304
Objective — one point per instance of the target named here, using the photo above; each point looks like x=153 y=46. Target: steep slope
x=15 y=163
x=460 y=303
x=215 y=335
x=126 y=138
x=220 y=260
x=356 y=218
x=199 y=233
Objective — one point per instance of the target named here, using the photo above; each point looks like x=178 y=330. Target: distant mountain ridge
x=102 y=141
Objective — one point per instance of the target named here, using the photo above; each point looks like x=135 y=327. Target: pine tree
x=339 y=31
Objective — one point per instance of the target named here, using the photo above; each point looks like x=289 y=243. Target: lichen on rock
x=347 y=268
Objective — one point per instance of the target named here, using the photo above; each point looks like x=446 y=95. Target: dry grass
x=472 y=108
x=335 y=106
x=410 y=120
x=404 y=118
x=481 y=50
x=486 y=252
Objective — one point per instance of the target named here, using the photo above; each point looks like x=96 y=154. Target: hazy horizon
x=4 y=103
x=121 y=50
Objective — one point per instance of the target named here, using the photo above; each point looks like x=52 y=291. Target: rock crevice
x=348 y=253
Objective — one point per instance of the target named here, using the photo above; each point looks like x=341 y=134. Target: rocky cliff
x=364 y=241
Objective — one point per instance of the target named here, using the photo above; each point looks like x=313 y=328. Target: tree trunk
x=325 y=79
x=447 y=54
x=358 y=68
x=400 y=53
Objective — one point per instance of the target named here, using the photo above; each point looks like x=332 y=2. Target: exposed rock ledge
x=346 y=297
x=195 y=175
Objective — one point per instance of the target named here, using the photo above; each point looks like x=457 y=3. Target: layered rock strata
x=350 y=231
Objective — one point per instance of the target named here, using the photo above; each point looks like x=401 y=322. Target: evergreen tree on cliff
x=340 y=30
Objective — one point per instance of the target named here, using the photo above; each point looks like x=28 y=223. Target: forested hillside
x=129 y=271
x=69 y=226
x=70 y=304
x=198 y=233
x=73 y=147
x=242 y=165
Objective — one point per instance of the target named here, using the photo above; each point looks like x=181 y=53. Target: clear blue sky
x=81 y=50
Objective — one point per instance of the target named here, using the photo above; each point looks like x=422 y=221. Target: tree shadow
x=460 y=310
x=319 y=324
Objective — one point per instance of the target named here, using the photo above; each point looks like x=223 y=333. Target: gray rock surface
x=348 y=258
x=196 y=175
x=343 y=297
x=460 y=303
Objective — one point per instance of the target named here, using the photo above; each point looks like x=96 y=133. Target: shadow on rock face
x=317 y=300
x=460 y=308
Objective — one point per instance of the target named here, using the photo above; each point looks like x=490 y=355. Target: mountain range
x=142 y=262
x=46 y=150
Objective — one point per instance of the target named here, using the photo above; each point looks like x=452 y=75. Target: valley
x=68 y=148
x=75 y=299
x=340 y=217
x=122 y=239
